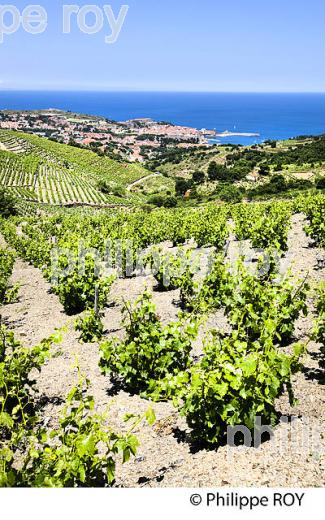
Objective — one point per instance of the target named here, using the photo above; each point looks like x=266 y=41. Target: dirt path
x=139 y=181
x=37 y=313
x=165 y=457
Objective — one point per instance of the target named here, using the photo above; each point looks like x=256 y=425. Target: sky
x=172 y=45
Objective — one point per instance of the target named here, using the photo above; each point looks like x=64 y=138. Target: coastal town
x=133 y=140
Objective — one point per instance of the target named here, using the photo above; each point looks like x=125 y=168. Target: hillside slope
x=293 y=157
x=40 y=170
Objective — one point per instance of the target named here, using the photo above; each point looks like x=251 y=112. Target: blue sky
x=177 y=45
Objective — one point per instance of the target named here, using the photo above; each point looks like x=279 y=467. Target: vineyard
x=130 y=342
x=40 y=170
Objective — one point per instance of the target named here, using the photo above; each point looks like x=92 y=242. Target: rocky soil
x=166 y=457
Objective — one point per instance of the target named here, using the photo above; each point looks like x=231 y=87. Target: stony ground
x=166 y=457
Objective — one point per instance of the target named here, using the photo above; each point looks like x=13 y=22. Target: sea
x=272 y=116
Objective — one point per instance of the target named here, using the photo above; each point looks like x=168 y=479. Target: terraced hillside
x=39 y=170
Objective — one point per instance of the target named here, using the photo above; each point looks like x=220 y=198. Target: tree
x=198 y=177
x=170 y=202
x=272 y=144
x=104 y=186
x=217 y=172
x=230 y=193
x=320 y=183
x=160 y=201
x=264 y=169
x=7 y=203
x=156 y=200
x=181 y=186
x=278 y=182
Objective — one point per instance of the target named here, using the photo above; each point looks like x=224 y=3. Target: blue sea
x=273 y=116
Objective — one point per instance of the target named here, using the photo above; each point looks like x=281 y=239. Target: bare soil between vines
x=166 y=457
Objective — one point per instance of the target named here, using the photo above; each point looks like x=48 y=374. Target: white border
x=145 y=504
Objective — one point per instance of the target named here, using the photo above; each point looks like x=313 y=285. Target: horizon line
x=153 y=91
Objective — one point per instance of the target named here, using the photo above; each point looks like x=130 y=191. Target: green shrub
x=217 y=287
x=198 y=177
x=169 y=268
x=212 y=292
x=81 y=452
x=7 y=203
x=160 y=201
x=259 y=306
x=319 y=332
x=17 y=386
x=7 y=260
x=90 y=327
x=320 y=183
x=229 y=193
x=76 y=288
x=217 y=172
x=235 y=383
x=150 y=350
